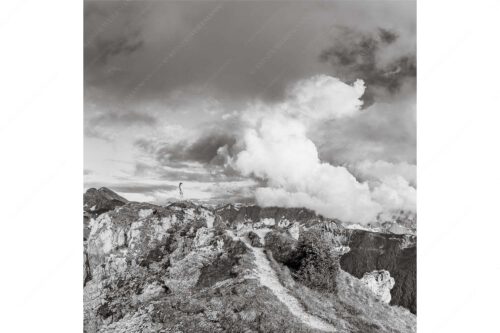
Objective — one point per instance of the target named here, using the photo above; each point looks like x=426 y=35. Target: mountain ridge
x=143 y=260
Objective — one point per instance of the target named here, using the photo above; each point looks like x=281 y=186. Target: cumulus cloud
x=393 y=185
x=279 y=151
x=324 y=97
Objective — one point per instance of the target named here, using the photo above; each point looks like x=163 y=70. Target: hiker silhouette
x=180 y=191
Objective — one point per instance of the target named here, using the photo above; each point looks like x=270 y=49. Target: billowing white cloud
x=277 y=149
x=279 y=152
x=393 y=185
x=323 y=97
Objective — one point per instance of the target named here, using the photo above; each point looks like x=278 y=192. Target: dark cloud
x=243 y=49
x=205 y=150
x=122 y=45
x=387 y=36
x=165 y=48
x=109 y=30
x=209 y=149
x=357 y=55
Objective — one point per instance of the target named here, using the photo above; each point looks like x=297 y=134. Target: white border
x=458 y=166
x=41 y=138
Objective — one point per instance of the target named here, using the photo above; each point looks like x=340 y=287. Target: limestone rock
x=380 y=283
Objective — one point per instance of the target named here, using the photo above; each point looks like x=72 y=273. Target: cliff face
x=185 y=267
x=395 y=253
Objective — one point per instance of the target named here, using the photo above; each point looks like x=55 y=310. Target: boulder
x=380 y=283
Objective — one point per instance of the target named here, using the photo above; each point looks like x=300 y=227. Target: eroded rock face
x=380 y=283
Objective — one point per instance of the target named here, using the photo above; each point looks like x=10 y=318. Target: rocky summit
x=186 y=267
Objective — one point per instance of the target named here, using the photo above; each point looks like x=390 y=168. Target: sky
x=285 y=103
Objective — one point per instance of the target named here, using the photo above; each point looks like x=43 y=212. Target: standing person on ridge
x=180 y=191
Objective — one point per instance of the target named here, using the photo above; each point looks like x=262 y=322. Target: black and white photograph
x=249 y=166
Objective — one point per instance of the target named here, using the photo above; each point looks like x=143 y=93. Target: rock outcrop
x=380 y=283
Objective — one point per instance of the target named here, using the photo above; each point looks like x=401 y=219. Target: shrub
x=283 y=248
x=319 y=267
x=254 y=239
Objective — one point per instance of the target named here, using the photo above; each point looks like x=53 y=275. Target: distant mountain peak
x=98 y=201
x=111 y=194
